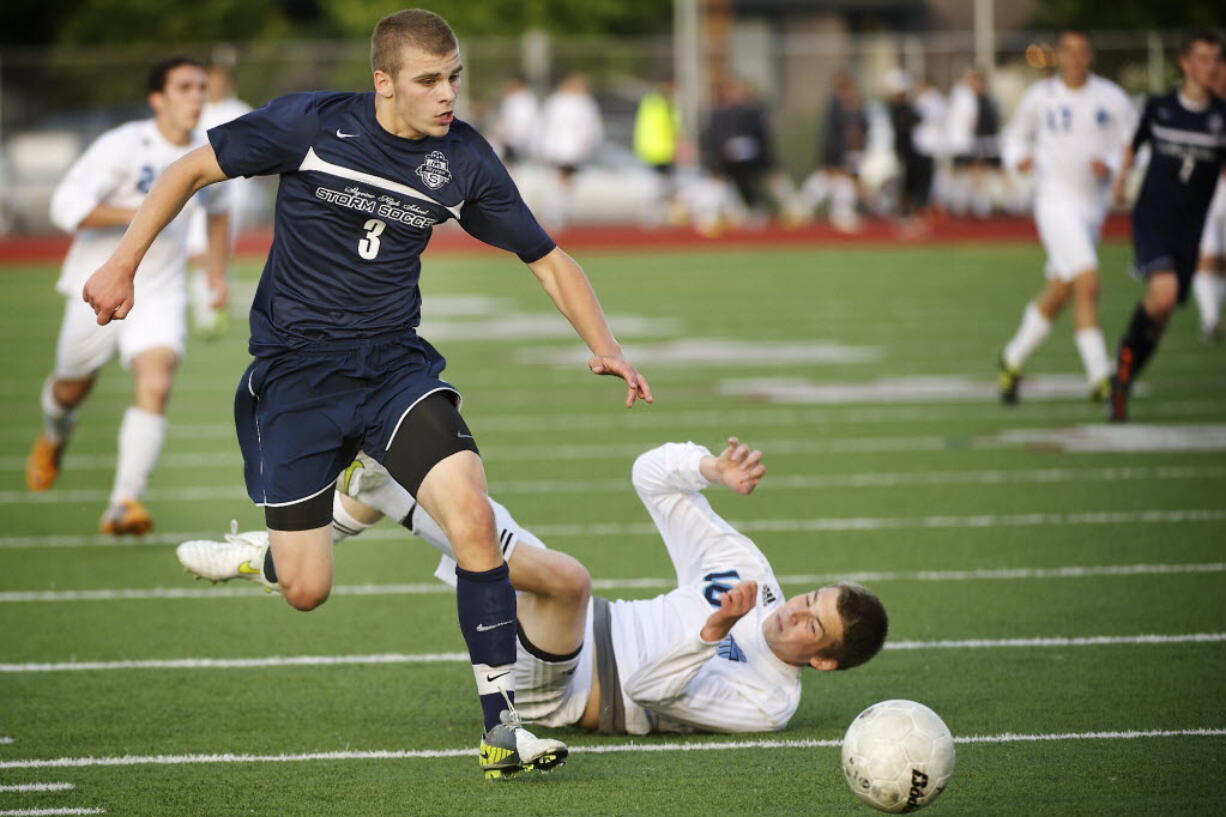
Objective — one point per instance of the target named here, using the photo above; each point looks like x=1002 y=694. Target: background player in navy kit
x=1187 y=129
x=338 y=364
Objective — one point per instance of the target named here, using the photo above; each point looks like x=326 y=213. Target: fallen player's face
x=182 y=98
x=426 y=89
x=805 y=626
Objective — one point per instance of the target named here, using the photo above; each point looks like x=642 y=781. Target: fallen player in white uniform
x=723 y=652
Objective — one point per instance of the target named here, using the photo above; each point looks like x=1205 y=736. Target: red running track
x=450 y=239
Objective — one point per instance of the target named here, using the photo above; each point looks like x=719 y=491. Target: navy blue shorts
x=302 y=416
x=1166 y=247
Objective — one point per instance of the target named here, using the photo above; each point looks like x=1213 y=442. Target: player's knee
x=571 y=582
x=551 y=574
x=70 y=393
x=305 y=596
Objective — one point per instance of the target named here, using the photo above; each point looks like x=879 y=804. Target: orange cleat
x=43 y=464
x=128 y=517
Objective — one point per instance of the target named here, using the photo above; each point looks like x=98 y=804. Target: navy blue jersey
x=355 y=209
x=1189 y=149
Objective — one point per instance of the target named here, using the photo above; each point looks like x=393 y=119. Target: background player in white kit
x=1071 y=130
x=723 y=652
x=220 y=107
x=96 y=200
x=1209 y=284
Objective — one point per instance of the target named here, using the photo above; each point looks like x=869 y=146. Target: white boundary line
x=461 y=657
x=616 y=748
x=249 y=590
x=211 y=493
x=746 y=526
x=6 y=740
x=49 y=812
x=38 y=787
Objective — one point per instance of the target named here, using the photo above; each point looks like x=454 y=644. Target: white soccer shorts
x=1069 y=231
x=554 y=694
x=157 y=320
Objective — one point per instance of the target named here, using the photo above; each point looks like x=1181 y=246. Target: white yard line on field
x=618 y=748
x=867 y=479
x=38 y=787
x=818 y=525
x=532 y=453
x=250 y=590
x=461 y=657
x=49 y=812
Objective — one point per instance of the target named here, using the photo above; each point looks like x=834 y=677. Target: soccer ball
x=898 y=755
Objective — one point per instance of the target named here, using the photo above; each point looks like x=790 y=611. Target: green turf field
x=982 y=529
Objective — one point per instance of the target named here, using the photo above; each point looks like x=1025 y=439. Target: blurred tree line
x=108 y=22
x=1111 y=15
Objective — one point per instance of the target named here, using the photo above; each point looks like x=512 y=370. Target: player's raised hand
x=109 y=291
x=740 y=467
x=636 y=384
x=733 y=606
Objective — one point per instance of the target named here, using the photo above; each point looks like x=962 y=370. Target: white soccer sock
x=140 y=441
x=57 y=419
x=344 y=524
x=390 y=497
x=1209 y=288
x=1033 y=331
x=1093 y=351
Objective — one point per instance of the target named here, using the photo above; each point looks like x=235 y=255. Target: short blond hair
x=417 y=28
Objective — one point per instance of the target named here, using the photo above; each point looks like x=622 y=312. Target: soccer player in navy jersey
x=1187 y=131
x=338 y=364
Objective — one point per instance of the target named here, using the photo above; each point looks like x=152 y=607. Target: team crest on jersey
x=1102 y=117
x=1215 y=122
x=434 y=170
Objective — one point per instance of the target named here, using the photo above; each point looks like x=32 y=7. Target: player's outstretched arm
x=109 y=290
x=218 y=257
x=567 y=285
x=738 y=467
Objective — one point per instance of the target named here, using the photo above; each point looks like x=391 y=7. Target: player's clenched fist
x=109 y=291
x=732 y=608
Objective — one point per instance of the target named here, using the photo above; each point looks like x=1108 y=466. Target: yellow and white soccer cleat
x=509 y=749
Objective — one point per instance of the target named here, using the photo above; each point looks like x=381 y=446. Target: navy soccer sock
x=486 y=606
x=1137 y=345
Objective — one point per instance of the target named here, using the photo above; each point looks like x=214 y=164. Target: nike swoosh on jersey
x=483 y=628
x=492 y=678
x=342 y=135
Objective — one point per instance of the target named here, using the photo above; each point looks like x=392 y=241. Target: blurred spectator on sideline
x=221 y=105
x=736 y=147
x=657 y=137
x=929 y=141
x=517 y=123
x=974 y=141
x=915 y=168
x=844 y=138
x=571 y=133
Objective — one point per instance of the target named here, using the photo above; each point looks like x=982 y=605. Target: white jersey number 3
x=368 y=247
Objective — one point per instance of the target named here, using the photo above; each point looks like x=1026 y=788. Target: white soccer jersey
x=1064 y=130
x=119 y=168
x=672 y=680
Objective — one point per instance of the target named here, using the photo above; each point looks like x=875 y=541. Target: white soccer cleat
x=240 y=556
x=363 y=476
